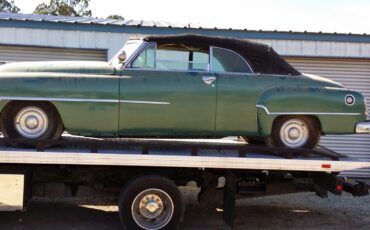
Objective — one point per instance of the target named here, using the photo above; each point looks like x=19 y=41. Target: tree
x=8 y=6
x=77 y=8
x=116 y=16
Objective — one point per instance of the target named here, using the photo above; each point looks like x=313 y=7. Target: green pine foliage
x=116 y=16
x=77 y=8
x=8 y=6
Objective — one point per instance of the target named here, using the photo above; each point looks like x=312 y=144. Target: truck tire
x=151 y=202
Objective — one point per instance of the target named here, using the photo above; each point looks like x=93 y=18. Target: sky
x=342 y=16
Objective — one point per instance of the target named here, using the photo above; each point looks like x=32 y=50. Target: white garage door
x=353 y=74
x=26 y=53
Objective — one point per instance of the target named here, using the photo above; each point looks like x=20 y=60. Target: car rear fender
x=327 y=104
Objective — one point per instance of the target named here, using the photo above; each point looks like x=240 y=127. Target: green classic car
x=178 y=86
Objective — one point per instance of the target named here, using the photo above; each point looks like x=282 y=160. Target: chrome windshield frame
x=138 y=51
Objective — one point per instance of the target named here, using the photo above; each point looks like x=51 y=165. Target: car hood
x=310 y=78
x=80 y=67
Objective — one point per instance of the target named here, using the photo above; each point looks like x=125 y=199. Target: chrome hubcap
x=294 y=133
x=151 y=206
x=152 y=209
x=31 y=122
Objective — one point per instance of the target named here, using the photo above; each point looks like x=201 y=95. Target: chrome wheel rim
x=294 y=133
x=152 y=209
x=31 y=122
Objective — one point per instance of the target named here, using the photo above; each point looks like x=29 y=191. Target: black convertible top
x=261 y=57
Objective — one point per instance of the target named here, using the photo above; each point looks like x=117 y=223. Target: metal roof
x=160 y=27
x=90 y=20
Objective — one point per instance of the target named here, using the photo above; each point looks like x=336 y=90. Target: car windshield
x=129 y=48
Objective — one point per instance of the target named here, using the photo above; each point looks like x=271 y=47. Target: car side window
x=170 y=58
x=146 y=58
x=225 y=60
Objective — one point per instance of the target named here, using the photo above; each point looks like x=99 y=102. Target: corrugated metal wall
x=26 y=53
x=65 y=38
x=353 y=74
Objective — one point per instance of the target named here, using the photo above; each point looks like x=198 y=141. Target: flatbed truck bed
x=160 y=164
x=223 y=159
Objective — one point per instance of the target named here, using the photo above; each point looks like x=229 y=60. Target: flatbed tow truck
x=148 y=171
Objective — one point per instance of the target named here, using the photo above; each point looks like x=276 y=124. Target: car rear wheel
x=31 y=121
x=295 y=132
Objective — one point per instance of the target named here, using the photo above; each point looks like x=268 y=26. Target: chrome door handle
x=208 y=79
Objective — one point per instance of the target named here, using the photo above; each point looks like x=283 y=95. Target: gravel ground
x=295 y=211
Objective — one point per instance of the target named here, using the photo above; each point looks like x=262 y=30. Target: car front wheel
x=31 y=120
x=295 y=132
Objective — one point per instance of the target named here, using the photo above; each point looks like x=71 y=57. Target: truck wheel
x=151 y=202
x=31 y=120
x=294 y=132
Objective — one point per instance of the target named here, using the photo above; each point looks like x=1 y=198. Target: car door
x=237 y=92
x=163 y=95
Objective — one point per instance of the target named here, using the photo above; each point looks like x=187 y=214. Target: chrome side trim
x=304 y=113
x=171 y=70
x=7 y=98
x=145 y=102
x=264 y=108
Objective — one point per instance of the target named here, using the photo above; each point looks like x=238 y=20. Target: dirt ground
x=297 y=211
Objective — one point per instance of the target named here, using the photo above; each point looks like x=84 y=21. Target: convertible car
x=178 y=86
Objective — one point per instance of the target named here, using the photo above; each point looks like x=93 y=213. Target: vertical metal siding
x=26 y=53
x=353 y=74
x=64 y=38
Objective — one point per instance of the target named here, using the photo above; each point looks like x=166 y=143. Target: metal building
x=342 y=57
